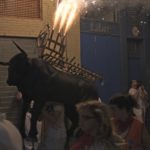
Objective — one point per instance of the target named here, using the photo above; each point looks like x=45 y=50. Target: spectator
x=133 y=90
x=143 y=99
x=134 y=93
x=147 y=119
x=18 y=104
x=54 y=131
x=96 y=128
x=127 y=126
x=10 y=138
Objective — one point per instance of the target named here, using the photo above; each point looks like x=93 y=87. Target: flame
x=66 y=13
x=71 y=18
x=58 y=14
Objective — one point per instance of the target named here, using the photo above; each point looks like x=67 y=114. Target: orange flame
x=66 y=13
x=58 y=14
x=71 y=18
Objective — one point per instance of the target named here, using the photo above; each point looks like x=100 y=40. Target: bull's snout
x=9 y=82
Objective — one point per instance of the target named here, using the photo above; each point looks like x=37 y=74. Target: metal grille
x=51 y=47
x=20 y=8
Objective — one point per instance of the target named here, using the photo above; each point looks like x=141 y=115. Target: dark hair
x=139 y=83
x=123 y=101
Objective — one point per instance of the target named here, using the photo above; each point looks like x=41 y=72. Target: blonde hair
x=100 y=112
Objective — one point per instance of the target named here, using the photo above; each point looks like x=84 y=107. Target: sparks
x=66 y=13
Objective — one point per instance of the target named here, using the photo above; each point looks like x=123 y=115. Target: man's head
x=122 y=106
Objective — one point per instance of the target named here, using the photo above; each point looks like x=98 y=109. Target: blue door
x=101 y=54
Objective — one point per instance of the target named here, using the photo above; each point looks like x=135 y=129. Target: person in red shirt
x=127 y=125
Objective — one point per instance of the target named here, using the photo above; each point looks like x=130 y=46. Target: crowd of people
x=116 y=125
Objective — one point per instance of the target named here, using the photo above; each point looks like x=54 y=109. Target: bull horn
x=4 y=63
x=21 y=50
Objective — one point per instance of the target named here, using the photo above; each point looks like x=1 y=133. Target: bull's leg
x=25 y=107
x=71 y=113
x=35 y=116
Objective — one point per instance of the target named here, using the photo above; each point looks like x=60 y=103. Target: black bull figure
x=41 y=82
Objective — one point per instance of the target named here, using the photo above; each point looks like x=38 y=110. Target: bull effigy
x=41 y=81
x=50 y=77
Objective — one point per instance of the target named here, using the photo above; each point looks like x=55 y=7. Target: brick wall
x=21 y=27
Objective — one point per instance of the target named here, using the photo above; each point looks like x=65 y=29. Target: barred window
x=20 y=8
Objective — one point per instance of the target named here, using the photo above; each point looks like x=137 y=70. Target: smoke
x=68 y=10
x=121 y=4
x=99 y=8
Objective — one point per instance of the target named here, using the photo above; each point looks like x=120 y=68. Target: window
x=20 y=8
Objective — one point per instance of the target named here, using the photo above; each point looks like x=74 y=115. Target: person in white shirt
x=140 y=95
x=53 y=134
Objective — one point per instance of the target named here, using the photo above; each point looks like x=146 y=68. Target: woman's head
x=122 y=106
x=94 y=118
x=134 y=84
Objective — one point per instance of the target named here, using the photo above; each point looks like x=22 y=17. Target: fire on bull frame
x=44 y=80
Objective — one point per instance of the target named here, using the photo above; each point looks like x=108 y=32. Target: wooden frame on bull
x=52 y=46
